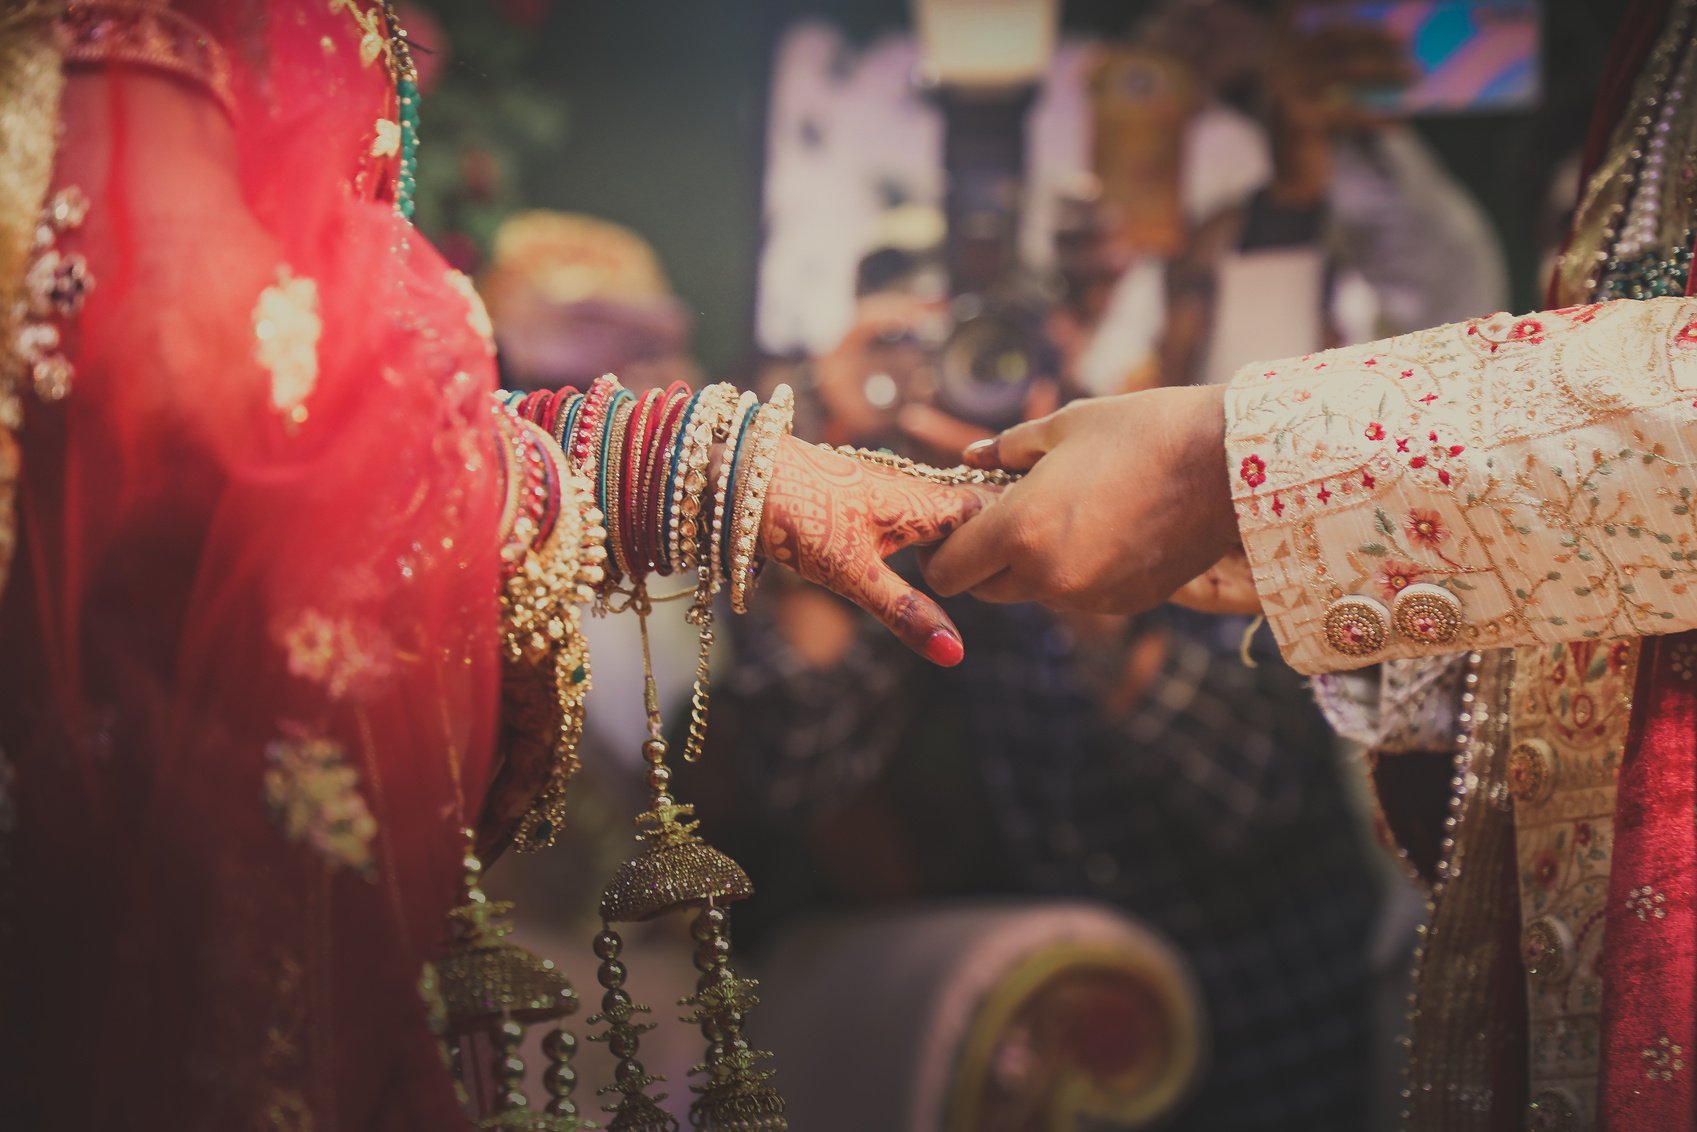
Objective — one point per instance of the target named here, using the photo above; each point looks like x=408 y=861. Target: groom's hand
x=1127 y=500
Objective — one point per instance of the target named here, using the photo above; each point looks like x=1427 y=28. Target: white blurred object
x=1418 y=238
x=616 y=721
x=986 y=43
x=1130 y=330
x=1267 y=305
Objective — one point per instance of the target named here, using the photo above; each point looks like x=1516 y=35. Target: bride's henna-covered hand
x=834 y=520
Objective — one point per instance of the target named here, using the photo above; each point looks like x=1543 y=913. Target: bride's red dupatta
x=249 y=676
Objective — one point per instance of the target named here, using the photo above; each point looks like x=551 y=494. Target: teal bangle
x=730 y=492
x=568 y=424
x=619 y=396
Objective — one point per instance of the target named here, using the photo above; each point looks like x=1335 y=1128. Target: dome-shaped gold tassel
x=492 y=986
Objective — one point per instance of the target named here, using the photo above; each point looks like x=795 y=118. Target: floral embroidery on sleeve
x=1535 y=466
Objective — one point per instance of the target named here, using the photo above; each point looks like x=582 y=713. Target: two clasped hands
x=1125 y=503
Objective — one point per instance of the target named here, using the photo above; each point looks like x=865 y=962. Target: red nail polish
x=944 y=648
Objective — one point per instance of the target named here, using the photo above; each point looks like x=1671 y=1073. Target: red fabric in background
x=200 y=580
x=1649 y=962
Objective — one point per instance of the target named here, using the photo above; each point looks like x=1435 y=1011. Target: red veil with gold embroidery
x=250 y=665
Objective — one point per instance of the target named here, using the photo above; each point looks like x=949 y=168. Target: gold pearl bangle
x=768 y=430
x=711 y=546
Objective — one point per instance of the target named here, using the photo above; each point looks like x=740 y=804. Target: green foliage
x=493 y=109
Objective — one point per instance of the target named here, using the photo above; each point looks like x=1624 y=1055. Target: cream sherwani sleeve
x=1502 y=482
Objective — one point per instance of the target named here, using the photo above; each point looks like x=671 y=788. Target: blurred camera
x=977 y=362
x=995 y=351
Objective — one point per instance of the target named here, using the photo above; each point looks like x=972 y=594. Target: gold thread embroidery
x=146 y=35
x=1664 y=1060
x=313 y=794
x=344 y=656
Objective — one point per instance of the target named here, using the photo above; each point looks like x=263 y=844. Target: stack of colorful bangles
x=649 y=457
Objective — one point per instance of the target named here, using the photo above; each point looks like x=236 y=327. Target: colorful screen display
x=1473 y=56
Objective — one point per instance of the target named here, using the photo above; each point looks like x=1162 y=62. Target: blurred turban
x=573 y=297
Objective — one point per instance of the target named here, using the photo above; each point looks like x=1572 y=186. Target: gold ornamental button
x=1546 y=946
x=1531 y=770
x=1427 y=613
x=1357 y=626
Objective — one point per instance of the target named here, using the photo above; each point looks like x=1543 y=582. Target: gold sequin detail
x=1531 y=770
x=313 y=793
x=1428 y=613
x=1357 y=626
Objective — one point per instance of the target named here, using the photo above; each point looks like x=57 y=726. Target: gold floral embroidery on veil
x=345 y=655
x=286 y=329
x=476 y=315
x=313 y=794
x=373 y=29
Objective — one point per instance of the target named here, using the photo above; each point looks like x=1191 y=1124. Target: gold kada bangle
x=769 y=428
x=539 y=599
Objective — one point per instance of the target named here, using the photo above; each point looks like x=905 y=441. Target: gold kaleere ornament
x=674 y=869
x=490 y=985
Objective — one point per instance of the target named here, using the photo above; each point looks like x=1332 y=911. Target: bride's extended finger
x=916 y=620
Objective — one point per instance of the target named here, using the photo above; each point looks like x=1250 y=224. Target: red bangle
x=583 y=444
x=527 y=407
x=556 y=406
x=643 y=520
x=664 y=410
x=640 y=432
x=677 y=399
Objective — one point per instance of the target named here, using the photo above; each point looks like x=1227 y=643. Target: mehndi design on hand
x=833 y=516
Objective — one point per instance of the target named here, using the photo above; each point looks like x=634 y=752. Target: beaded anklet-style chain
x=961 y=476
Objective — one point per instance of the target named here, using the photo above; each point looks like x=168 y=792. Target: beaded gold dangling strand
x=735 y=1095
x=635 y=1110
x=961 y=476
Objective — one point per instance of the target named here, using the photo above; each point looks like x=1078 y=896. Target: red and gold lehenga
x=249 y=688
